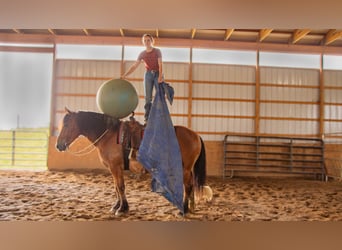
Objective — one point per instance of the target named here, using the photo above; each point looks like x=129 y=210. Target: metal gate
x=23 y=149
x=273 y=155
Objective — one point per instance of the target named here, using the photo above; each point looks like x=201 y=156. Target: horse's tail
x=200 y=168
x=200 y=175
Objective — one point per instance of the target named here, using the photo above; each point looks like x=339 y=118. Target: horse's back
x=185 y=132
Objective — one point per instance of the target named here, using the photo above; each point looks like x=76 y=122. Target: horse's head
x=69 y=130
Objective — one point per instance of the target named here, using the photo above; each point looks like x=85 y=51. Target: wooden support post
x=53 y=108
x=257 y=96
x=190 y=92
x=321 y=98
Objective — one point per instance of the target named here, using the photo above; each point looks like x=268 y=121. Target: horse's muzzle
x=61 y=146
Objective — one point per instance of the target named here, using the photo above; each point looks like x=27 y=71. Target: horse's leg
x=123 y=208
x=116 y=168
x=106 y=163
x=111 y=155
x=117 y=203
x=192 y=197
x=121 y=205
x=187 y=182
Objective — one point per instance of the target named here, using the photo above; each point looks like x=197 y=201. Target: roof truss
x=299 y=34
x=332 y=36
x=326 y=37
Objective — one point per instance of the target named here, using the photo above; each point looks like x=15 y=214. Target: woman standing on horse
x=152 y=59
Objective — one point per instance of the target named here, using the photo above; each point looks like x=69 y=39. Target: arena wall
x=62 y=161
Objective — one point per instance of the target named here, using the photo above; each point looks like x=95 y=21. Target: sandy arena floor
x=72 y=196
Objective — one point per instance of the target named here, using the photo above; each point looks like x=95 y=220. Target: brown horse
x=112 y=136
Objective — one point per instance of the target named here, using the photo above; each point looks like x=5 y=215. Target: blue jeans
x=150 y=80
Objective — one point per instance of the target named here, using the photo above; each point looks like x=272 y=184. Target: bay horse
x=108 y=135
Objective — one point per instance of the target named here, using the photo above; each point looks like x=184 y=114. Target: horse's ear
x=67 y=110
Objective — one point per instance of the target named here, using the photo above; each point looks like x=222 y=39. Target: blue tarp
x=159 y=151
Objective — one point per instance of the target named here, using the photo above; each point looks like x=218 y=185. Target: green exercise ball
x=117 y=98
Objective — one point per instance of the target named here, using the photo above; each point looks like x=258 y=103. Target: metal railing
x=273 y=155
x=23 y=148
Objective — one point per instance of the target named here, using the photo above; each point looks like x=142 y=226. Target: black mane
x=97 y=123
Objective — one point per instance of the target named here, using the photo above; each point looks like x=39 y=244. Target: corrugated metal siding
x=296 y=86
x=223 y=108
x=214 y=125
x=225 y=94
x=333 y=100
x=333 y=112
x=289 y=94
x=288 y=127
x=289 y=110
x=289 y=76
x=333 y=78
x=226 y=73
x=179 y=107
x=333 y=95
x=176 y=71
x=88 y=68
x=223 y=91
x=78 y=86
x=333 y=127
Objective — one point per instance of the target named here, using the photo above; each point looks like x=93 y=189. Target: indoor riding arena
x=267 y=104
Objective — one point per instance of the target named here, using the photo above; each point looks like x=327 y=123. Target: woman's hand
x=160 y=79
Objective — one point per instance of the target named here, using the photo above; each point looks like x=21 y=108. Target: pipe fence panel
x=23 y=148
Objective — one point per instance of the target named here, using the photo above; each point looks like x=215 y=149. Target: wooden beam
x=263 y=33
x=332 y=36
x=193 y=33
x=181 y=42
x=51 y=31
x=299 y=34
x=18 y=31
x=86 y=32
x=26 y=49
x=228 y=34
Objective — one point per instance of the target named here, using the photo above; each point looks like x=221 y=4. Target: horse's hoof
x=181 y=214
x=119 y=213
x=115 y=207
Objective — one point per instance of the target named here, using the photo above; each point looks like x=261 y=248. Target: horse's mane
x=96 y=122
